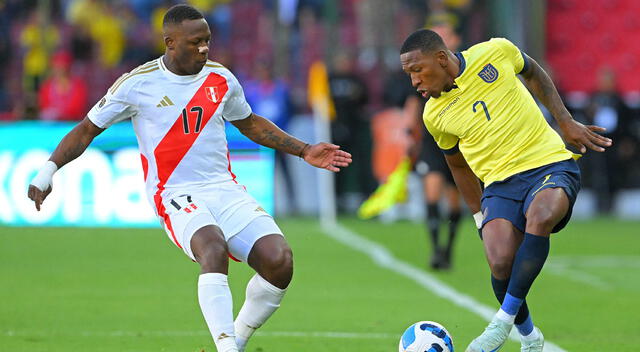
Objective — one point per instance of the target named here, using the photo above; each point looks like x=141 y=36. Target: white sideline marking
x=598 y=261
x=579 y=276
x=574 y=268
x=328 y=334
x=175 y=333
x=381 y=256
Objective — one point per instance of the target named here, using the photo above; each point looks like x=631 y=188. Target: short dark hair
x=178 y=13
x=424 y=40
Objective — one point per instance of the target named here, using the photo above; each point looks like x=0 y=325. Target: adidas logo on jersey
x=165 y=102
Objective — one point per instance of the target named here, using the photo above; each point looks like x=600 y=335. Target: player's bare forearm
x=71 y=147
x=321 y=155
x=542 y=87
x=265 y=132
x=573 y=132
x=75 y=142
x=466 y=181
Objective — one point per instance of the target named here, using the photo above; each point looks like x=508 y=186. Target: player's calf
x=500 y=243
x=261 y=301
x=210 y=251
x=216 y=304
x=272 y=259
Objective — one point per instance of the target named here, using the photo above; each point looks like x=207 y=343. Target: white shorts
x=242 y=220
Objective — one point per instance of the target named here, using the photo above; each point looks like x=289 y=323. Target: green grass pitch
x=78 y=289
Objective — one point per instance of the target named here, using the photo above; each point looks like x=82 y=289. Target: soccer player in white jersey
x=178 y=104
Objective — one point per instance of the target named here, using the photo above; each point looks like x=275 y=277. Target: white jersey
x=178 y=121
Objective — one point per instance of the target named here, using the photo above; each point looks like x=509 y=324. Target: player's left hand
x=583 y=137
x=327 y=156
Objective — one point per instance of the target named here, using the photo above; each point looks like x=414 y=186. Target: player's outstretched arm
x=467 y=184
x=71 y=147
x=573 y=132
x=322 y=155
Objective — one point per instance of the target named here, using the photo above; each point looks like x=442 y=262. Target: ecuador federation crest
x=488 y=73
x=212 y=94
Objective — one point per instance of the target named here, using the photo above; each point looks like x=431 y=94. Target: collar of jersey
x=178 y=78
x=463 y=63
x=463 y=66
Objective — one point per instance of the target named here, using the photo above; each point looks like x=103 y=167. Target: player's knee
x=541 y=220
x=214 y=258
x=277 y=268
x=501 y=270
x=501 y=264
x=499 y=247
x=280 y=262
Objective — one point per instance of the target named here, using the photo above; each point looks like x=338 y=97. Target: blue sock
x=526 y=327
x=527 y=264
x=511 y=305
x=500 y=290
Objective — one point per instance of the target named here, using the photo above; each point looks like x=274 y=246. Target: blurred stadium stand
x=571 y=37
x=588 y=34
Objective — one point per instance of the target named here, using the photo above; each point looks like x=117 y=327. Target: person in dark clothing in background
x=437 y=179
x=269 y=96
x=607 y=109
x=351 y=130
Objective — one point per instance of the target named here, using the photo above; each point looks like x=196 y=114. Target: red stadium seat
x=580 y=41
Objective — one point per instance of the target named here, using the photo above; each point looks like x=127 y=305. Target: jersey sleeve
x=236 y=106
x=512 y=53
x=447 y=142
x=117 y=105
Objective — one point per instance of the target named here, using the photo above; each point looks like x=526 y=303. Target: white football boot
x=532 y=345
x=493 y=337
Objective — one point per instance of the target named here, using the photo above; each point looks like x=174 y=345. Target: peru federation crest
x=488 y=73
x=212 y=94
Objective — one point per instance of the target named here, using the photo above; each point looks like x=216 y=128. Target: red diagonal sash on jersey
x=176 y=143
x=145 y=166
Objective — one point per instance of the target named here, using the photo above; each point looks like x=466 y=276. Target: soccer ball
x=426 y=336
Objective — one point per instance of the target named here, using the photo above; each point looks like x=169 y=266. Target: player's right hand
x=327 y=156
x=583 y=137
x=42 y=183
x=38 y=196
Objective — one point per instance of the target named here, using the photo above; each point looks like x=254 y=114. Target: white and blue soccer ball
x=426 y=336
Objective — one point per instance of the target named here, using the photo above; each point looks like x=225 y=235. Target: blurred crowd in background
x=58 y=57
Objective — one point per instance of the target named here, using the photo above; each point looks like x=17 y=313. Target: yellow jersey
x=491 y=116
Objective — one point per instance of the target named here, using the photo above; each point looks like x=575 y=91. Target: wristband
x=42 y=181
x=478 y=217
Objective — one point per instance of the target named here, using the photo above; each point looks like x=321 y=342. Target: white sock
x=504 y=316
x=217 y=307
x=533 y=335
x=262 y=300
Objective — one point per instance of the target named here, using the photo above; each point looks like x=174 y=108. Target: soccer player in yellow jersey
x=489 y=127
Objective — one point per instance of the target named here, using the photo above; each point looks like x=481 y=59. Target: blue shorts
x=509 y=199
